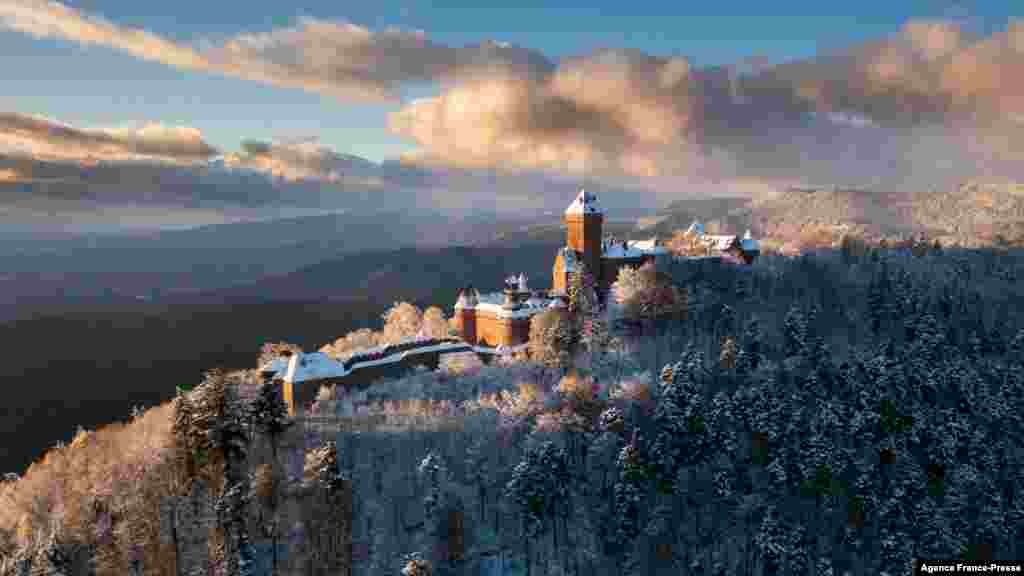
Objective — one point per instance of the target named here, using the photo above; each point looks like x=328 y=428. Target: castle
x=498 y=319
x=491 y=324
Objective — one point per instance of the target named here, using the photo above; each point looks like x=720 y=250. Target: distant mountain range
x=125 y=268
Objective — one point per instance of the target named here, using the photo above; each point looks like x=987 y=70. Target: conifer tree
x=269 y=413
x=793 y=332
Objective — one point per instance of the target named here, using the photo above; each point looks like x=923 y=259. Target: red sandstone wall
x=493 y=331
x=466 y=324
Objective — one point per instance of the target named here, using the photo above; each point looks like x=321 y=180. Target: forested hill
x=974 y=214
x=833 y=413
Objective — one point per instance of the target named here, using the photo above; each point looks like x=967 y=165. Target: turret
x=465 y=314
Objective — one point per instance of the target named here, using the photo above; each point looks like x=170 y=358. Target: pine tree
x=58 y=556
x=269 y=413
x=876 y=306
x=793 y=332
x=231 y=509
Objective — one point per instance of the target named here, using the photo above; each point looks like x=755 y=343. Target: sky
x=467 y=106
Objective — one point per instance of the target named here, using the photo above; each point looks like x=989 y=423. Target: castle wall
x=492 y=331
x=466 y=324
x=584 y=236
x=558 y=279
x=301 y=394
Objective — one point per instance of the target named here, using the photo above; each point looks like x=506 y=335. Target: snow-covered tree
x=434 y=324
x=401 y=321
x=269 y=413
x=794 y=332
x=549 y=337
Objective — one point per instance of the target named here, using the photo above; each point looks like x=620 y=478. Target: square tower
x=583 y=219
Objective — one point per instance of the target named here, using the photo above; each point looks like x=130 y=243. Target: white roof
x=720 y=242
x=317 y=365
x=585 y=203
x=645 y=244
x=633 y=249
x=313 y=366
x=493 y=302
x=748 y=243
x=696 y=228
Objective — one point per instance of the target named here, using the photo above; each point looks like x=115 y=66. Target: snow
x=492 y=303
x=696 y=228
x=318 y=366
x=568 y=258
x=633 y=249
x=749 y=244
x=720 y=242
x=313 y=366
x=585 y=203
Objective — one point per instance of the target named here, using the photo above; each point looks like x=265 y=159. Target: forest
x=841 y=412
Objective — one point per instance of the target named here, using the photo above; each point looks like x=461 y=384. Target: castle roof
x=720 y=242
x=632 y=249
x=493 y=303
x=585 y=203
x=749 y=244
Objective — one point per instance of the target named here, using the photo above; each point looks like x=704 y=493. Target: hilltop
x=972 y=215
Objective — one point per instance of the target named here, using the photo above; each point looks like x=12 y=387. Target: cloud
x=337 y=59
x=305 y=160
x=619 y=111
x=43 y=138
x=883 y=113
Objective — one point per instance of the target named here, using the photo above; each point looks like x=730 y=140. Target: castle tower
x=583 y=219
x=465 y=313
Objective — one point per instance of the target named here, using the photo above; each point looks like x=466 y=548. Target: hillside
x=431 y=275
x=118 y=269
x=970 y=215
x=851 y=390
x=100 y=344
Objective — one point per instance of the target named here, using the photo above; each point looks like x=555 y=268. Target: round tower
x=583 y=219
x=465 y=314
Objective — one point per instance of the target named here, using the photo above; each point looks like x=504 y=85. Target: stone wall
x=493 y=331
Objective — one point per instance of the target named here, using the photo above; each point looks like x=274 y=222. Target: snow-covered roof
x=493 y=303
x=633 y=249
x=645 y=244
x=720 y=242
x=749 y=244
x=585 y=203
x=313 y=366
x=318 y=366
x=696 y=228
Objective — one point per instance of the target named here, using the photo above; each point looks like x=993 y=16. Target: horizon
x=124 y=116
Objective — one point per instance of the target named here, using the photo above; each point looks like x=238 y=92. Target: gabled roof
x=585 y=203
